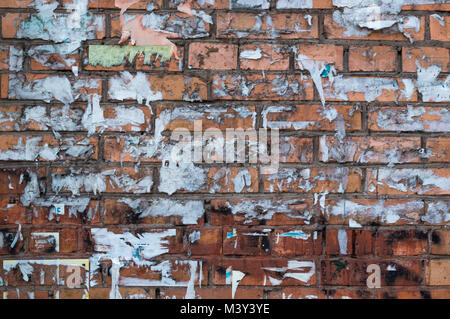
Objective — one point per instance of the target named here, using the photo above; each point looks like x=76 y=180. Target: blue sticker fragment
x=325 y=71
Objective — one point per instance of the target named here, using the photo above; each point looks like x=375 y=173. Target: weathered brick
x=213 y=293
x=440 y=242
x=310 y=117
x=297 y=242
x=439 y=149
x=350 y=272
x=267 y=211
x=246 y=241
x=212 y=56
x=263 y=56
x=376 y=58
x=327 y=53
x=437 y=272
x=426 y=119
x=349 y=242
x=425 y=57
x=12 y=211
x=261 y=87
x=402 y=242
x=203 y=241
x=369 y=149
x=408 y=181
x=333 y=30
x=47 y=148
x=440 y=27
x=266 y=271
x=354 y=212
x=313 y=180
x=272 y=26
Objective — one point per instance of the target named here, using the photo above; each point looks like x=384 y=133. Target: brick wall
x=360 y=96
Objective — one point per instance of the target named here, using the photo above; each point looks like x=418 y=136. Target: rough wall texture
x=359 y=91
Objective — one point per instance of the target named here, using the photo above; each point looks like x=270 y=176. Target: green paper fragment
x=110 y=55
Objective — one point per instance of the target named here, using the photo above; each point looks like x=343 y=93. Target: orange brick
x=15 y=3
x=425 y=56
x=262 y=87
x=309 y=117
x=203 y=241
x=440 y=242
x=327 y=53
x=12 y=211
x=374 y=211
x=440 y=28
x=215 y=56
x=350 y=242
x=333 y=30
x=402 y=242
x=313 y=180
x=267 y=271
x=398 y=119
x=47 y=148
x=246 y=241
x=264 y=56
x=370 y=149
x=120 y=211
x=268 y=211
x=376 y=58
x=41 y=245
x=437 y=272
x=297 y=242
x=284 y=26
x=439 y=148
x=404 y=181
x=213 y=293
x=296 y=149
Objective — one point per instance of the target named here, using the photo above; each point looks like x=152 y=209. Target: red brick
x=263 y=56
x=42 y=245
x=267 y=211
x=370 y=149
x=420 y=181
x=350 y=272
x=216 y=56
x=402 y=242
x=47 y=148
x=285 y=26
x=425 y=57
x=297 y=242
x=440 y=28
x=437 y=272
x=326 y=53
x=261 y=87
x=349 y=242
x=313 y=180
x=426 y=119
x=266 y=271
x=213 y=293
x=203 y=241
x=333 y=30
x=309 y=117
x=439 y=149
x=440 y=242
x=246 y=241
x=376 y=58
x=25 y=294
x=296 y=149
x=12 y=211
x=374 y=211
x=298 y=293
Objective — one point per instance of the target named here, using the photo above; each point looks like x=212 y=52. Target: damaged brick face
x=91 y=206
